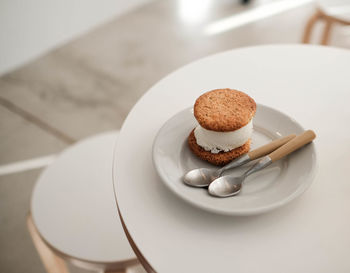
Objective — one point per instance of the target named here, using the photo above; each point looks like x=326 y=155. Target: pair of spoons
x=224 y=186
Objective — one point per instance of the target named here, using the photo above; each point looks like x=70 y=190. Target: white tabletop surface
x=311 y=234
x=73 y=204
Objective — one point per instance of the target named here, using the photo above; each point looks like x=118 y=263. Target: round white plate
x=263 y=191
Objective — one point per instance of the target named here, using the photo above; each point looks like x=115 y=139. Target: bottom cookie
x=219 y=159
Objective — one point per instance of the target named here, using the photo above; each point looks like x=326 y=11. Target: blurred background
x=71 y=69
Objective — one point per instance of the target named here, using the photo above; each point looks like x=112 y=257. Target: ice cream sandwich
x=225 y=118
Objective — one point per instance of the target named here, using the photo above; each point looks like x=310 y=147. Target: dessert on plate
x=225 y=118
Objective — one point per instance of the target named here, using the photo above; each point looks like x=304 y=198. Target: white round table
x=311 y=234
x=73 y=206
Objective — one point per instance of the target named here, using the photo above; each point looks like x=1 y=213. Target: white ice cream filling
x=216 y=142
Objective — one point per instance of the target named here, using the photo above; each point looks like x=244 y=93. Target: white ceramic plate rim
x=234 y=212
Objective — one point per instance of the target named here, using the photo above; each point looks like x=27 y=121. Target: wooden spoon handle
x=270 y=147
x=293 y=145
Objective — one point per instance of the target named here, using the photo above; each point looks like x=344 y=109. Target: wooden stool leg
x=309 y=26
x=52 y=262
x=116 y=271
x=326 y=32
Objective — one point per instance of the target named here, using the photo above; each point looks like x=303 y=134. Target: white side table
x=73 y=207
x=330 y=12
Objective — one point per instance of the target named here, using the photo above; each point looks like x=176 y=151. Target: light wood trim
x=326 y=32
x=293 y=145
x=51 y=262
x=270 y=147
x=329 y=20
x=111 y=271
x=310 y=25
x=332 y=18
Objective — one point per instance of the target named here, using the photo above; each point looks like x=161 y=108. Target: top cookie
x=224 y=110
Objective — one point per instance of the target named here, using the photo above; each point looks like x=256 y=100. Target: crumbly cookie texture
x=224 y=110
x=219 y=159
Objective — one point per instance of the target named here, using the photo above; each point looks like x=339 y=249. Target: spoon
x=203 y=177
x=231 y=185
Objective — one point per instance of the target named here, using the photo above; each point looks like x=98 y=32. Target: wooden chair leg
x=309 y=26
x=52 y=262
x=326 y=32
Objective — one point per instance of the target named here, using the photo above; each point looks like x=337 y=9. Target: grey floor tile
x=74 y=99
x=90 y=84
x=21 y=140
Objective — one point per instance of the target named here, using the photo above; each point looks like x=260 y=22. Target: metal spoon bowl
x=200 y=177
x=231 y=185
x=226 y=186
x=204 y=176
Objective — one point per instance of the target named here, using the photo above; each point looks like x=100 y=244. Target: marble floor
x=37 y=26
x=90 y=84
